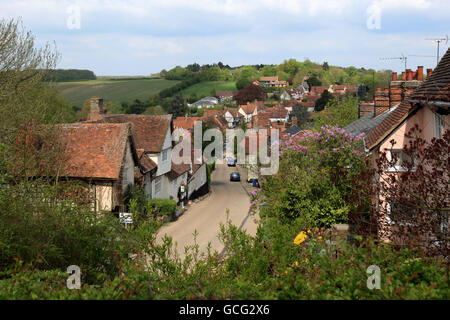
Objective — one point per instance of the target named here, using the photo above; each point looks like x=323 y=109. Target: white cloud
x=137 y=36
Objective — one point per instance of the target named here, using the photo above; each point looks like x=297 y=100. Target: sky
x=142 y=37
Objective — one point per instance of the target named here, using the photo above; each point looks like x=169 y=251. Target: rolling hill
x=114 y=90
x=205 y=88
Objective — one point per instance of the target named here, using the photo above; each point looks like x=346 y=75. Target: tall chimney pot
x=420 y=73
x=409 y=75
x=394 y=76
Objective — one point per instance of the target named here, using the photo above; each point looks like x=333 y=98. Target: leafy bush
x=44 y=224
x=162 y=207
x=318 y=179
x=268 y=266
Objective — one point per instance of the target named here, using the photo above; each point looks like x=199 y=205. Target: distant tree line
x=61 y=75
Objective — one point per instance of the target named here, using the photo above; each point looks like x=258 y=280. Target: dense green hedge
x=162 y=207
x=269 y=266
x=61 y=75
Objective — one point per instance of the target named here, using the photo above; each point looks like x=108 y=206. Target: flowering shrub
x=318 y=179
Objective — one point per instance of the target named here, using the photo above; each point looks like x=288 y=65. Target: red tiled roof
x=277 y=112
x=185 y=122
x=437 y=85
x=94 y=150
x=396 y=117
x=212 y=113
x=224 y=94
x=275 y=78
x=307 y=104
x=234 y=113
x=147 y=164
x=262 y=120
x=435 y=88
x=149 y=131
x=349 y=87
x=248 y=108
x=318 y=89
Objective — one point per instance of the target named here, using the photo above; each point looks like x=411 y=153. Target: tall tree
x=323 y=101
x=302 y=115
x=176 y=106
x=340 y=112
x=250 y=93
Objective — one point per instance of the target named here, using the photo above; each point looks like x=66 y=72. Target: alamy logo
x=74 y=280
x=251 y=147
x=74 y=19
x=374 y=16
x=374 y=280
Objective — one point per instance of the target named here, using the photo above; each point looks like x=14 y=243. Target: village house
x=250 y=110
x=340 y=90
x=102 y=155
x=143 y=176
x=318 y=90
x=225 y=96
x=151 y=133
x=278 y=114
x=408 y=103
x=298 y=92
x=197 y=176
x=272 y=82
x=233 y=118
x=207 y=102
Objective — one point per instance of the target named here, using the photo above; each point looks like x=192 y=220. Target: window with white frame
x=158 y=184
x=400 y=160
x=438 y=125
x=400 y=214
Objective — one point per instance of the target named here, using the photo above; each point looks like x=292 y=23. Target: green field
x=112 y=90
x=205 y=88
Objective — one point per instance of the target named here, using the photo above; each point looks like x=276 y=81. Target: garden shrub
x=268 y=266
x=162 y=207
x=40 y=227
x=318 y=180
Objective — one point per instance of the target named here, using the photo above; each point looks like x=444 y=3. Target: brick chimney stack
x=403 y=76
x=420 y=73
x=394 y=76
x=409 y=75
x=96 y=109
x=381 y=103
x=429 y=71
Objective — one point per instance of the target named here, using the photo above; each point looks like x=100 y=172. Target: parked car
x=231 y=162
x=235 y=176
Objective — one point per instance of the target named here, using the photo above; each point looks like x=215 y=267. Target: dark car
x=231 y=162
x=235 y=176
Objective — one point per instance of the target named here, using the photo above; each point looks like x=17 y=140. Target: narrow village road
x=207 y=215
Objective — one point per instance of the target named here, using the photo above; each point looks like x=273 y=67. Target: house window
x=400 y=214
x=164 y=156
x=158 y=183
x=402 y=160
x=438 y=125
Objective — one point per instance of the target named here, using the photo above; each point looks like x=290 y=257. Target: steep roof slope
x=149 y=131
x=94 y=150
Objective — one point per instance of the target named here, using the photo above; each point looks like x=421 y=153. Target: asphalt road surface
x=207 y=215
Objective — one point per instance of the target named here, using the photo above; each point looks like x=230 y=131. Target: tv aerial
x=402 y=57
x=438 y=41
